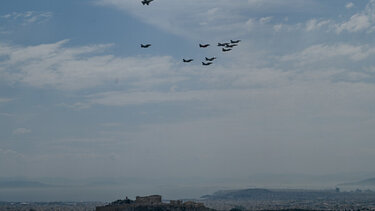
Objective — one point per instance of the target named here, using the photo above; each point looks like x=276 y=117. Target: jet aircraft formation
x=226 y=46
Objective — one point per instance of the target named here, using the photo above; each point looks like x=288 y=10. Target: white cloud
x=182 y=17
x=370 y=69
x=81 y=67
x=4 y=31
x=356 y=23
x=242 y=84
x=111 y=124
x=139 y=98
x=85 y=67
x=319 y=53
x=29 y=17
x=349 y=5
x=263 y=106
x=7 y=114
x=220 y=18
x=360 y=21
x=253 y=23
x=5 y=100
x=278 y=27
x=194 y=19
x=76 y=106
x=292 y=118
x=315 y=24
x=265 y=20
x=356 y=76
x=13 y=161
x=250 y=24
x=19 y=131
x=7 y=154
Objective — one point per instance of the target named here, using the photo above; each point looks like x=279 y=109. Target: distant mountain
x=236 y=194
x=21 y=184
x=366 y=182
x=271 y=194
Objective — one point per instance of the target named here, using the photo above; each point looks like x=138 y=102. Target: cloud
x=315 y=24
x=5 y=100
x=211 y=19
x=6 y=114
x=28 y=17
x=8 y=152
x=152 y=97
x=356 y=76
x=14 y=162
x=83 y=67
x=370 y=69
x=194 y=19
x=20 y=131
x=279 y=121
x=321 y=52
x=111 y=124
x=250 y=24
x=266 y=102
x=86 y=67
x=265 y=20
x=359 y=21
x=278 y=27
x=349 y=5
x=217 y=19
x=248 y=123
x=8 y=155
x=75 y=106
x=4 y=31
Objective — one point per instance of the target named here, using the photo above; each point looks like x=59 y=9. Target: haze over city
x=83 y=105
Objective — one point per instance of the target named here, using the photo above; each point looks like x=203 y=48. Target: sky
x=80 y=99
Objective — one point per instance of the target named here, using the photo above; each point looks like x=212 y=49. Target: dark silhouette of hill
x=366 y=182
x=152 y=203
x=275 y=194
x=22 y=184
x=238 y=194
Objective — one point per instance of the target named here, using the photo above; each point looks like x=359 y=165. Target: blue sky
x=79 y=98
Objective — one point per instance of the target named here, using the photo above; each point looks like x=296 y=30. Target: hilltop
x=366 y=182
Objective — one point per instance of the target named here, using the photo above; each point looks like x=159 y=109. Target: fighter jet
x=146 y=2
x=235 y=41
x=187 y=60
x=226 y=49
x=210 y=59
x=230 y=45
x=222 y=44
x=145 y=45
x=204 y=45
x=206 y=64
